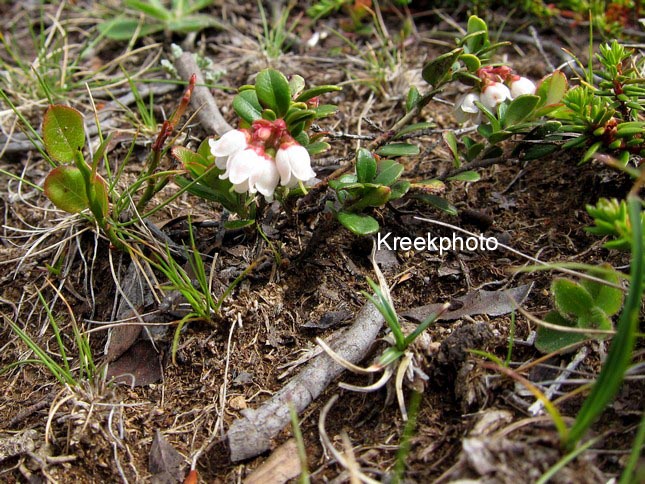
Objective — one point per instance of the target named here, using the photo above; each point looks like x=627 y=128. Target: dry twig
x=252 y=434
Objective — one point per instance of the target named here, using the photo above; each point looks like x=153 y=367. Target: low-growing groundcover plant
x=261 y=174
x=269 y=154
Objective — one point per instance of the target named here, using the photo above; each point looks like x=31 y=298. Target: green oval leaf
x=124 y=28
x=296 y=116
x=399 y=189
x=325 y=110
x=519 y=109
x=273 y=91
x=398 y=149
x=549 y=340
x=552 y=88
x=268 y=114
x=296 y=85
x=476 y=39
x=450 y=139
x=467 y=176
x=609 y=299
x=318 y=147
x=204 y=151
x=63 y=132
x=358 y=223
x=571 y=299
x=437 y=202
x=247 y=106
x=365 y=166
x=412 y=99
x=193 y=23
x=372 y=197
x=99 y=190
x=533 y=152
x=389 y=171
x=471 y=62
x=316 y=91
x=65 y=187
x=415 y=127
x=238 y=224
x=186 y=156
x=499 y=136
x=596 y=319
x=435 y=71
x=476 y=24
x=153 y=8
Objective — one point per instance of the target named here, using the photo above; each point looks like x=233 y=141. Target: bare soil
x=472 y=422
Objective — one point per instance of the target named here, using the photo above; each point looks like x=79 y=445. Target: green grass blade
x=390 y=317
x=561 y=464
x=637 y=448
x=58 y=371
x=300 y=445
x=56 y=330
x=408 y=431
x=423 y=325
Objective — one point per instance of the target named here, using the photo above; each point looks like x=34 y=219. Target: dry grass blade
x=380 y=383
x=329 y=447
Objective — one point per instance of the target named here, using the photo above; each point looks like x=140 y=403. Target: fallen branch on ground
x=252 y=434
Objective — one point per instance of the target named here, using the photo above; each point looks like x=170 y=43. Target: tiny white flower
x=466 y=110
x=265 y=179
x=522 y=86
x=251 y=172
x=494 y=94
x=229 y=143
x=240 y=167
x=294 y=164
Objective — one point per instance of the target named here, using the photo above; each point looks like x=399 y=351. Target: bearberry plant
x=268 y=155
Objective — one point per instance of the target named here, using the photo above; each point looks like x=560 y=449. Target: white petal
x=522 y=86
x=300 y=162
x=467 y=103
x=242 y=166
x=283 y=166
x=494 y=94
x=221 y=162
x=231 y=142
x=241 y=187
x=266 y=178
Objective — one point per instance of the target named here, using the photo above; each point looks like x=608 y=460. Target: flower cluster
x=497 y=85
x=258 y=159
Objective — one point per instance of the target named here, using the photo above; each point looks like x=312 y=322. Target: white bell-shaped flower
x=265 y=179
x=228 y=145
x=293 y=164
x=466 y=110
x=251 y=172
x=522 y=86
x=493 y=94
